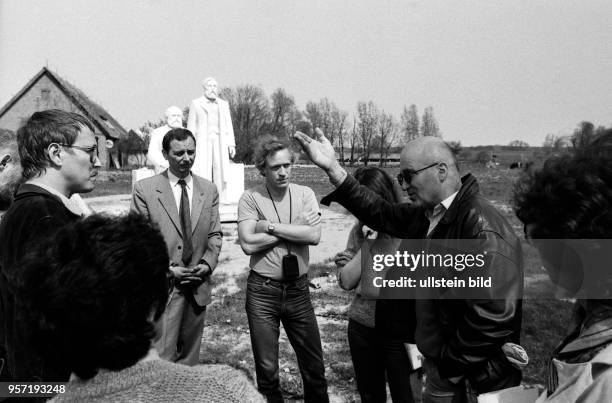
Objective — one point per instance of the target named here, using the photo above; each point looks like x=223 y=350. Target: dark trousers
x=374 y=356
x=269 y=302
x=496 y=374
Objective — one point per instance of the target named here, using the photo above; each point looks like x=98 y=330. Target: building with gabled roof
x=47 y=90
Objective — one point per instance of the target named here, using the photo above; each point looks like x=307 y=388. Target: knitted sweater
x=161 y=381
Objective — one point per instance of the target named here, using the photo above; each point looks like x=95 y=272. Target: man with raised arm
x=277 y=221
x=462 y=339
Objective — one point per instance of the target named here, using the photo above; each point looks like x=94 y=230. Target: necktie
x=185 y=223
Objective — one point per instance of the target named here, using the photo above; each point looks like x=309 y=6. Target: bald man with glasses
x=462 y=339
x=58 y=156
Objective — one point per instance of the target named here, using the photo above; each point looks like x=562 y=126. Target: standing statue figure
x=210 y=121
x=155 y=158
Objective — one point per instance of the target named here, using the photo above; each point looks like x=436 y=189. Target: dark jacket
x=463 y=336
x=35 y=213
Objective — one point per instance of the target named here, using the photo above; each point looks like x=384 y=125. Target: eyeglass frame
x=401 y=177
x=89 y=150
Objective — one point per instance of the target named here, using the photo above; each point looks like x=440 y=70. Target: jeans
x=269 y=302
x=375 y=355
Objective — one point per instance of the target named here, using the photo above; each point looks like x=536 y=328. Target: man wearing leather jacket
x=461 y=339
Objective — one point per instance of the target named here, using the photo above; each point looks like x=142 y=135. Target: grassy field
x=545 y=319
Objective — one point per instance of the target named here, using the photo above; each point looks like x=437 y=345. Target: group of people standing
x=115 y=306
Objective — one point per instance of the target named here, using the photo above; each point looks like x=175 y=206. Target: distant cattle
x=520 y=164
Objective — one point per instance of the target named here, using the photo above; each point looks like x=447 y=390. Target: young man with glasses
x=461 y=339
x=58 y=155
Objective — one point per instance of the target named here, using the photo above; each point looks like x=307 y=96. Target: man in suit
x=186 y=208
x=155 y=158
x=210 y=121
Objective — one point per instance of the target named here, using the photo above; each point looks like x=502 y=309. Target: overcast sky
x=494 y=71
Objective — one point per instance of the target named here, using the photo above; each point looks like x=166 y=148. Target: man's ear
x=54 y=154
x=442 y=171
x=165 y=154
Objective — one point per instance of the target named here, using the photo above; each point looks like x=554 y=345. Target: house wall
x=45 y=94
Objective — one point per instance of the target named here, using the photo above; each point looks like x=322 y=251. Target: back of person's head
x=93 y=291
x=268 y=145
x=378 y=181
x=41 y=130
x=178 y=134
x=10 y=174
x=570 y=196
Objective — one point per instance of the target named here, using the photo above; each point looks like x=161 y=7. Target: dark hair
x=92 y=291
x=571 y=195
x=178 y=134
x=266 y=146
x=377 y=180
x=44 y=128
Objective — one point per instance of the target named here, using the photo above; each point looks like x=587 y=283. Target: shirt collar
x=69 y=204
x=174 y=179
x=441 y=207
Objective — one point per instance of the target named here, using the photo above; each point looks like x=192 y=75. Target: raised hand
x=319 y=149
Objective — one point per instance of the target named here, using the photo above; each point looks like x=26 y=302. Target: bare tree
x=320 y=115
x=410 y=123
x=429 y=124
x=367 y=121
x=387 y=135
x=518 y=144
x=284 y=113
x=338 y=129
x=554 y=143
x=250 y=112
x=585 y=134
x=353 y=138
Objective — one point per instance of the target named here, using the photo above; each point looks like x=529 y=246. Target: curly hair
x=92 y=291
x=266 y=146
x=571 y=195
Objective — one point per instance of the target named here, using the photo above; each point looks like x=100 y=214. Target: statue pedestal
x=228 y=198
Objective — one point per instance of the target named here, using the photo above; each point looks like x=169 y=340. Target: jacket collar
x=27 y=190
x=469 y=188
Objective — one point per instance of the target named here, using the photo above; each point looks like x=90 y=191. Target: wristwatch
x=271 y=228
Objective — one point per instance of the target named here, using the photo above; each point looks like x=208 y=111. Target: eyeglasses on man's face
x=92 y=151
x=408 y=174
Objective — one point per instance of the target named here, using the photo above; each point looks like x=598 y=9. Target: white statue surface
x=210 y=122
x=155 y=158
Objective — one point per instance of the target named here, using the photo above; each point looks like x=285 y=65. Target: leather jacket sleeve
x=398 y=220
x=492 y=316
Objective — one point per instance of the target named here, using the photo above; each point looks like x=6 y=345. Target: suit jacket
x=197 y=123
x=154 y=199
